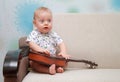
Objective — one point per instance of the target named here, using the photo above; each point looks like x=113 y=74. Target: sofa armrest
x=22 y=42
x=15 y=63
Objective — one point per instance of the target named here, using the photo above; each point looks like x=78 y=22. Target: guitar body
x=44 y=59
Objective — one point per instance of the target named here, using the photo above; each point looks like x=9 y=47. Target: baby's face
x=43 y=22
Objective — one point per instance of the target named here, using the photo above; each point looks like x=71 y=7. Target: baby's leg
x=60 y=70
x=39 y=67
x=43 y=68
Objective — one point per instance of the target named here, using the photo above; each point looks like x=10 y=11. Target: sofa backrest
x=95 y=37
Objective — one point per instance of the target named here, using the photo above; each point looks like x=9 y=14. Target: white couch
x=94 y=37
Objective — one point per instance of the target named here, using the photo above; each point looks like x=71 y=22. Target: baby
x=43 y=39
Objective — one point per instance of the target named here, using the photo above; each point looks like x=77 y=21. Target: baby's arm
x=63 y=52
x=37 y=48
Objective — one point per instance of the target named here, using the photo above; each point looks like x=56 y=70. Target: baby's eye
x=41 y=21
x=49 y=20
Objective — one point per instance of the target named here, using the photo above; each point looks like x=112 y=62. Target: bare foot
x=52 y=70
x=60 y=70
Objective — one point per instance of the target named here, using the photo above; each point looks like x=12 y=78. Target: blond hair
x=41 y=9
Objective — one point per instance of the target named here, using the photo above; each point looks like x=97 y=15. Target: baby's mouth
x=46 y=28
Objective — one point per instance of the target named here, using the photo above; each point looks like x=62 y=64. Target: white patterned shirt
x=48 y=41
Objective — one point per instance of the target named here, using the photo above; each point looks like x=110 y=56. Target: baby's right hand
x=46 y=52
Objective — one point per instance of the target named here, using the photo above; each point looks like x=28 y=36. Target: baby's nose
x=46 y=22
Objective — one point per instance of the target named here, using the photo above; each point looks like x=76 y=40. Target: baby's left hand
x=66 y=56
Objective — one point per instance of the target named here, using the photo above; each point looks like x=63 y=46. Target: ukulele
x=58 y=61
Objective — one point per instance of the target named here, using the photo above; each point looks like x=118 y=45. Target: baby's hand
x=66 y=56
x=46 y=52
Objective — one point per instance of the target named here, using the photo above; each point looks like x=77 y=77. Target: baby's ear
x=33 y=21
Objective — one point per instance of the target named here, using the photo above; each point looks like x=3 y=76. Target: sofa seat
x=76 y=75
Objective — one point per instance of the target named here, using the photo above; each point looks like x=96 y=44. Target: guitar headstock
x=91 y=65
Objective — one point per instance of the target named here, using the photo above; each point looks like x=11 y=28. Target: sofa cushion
x=76 y=75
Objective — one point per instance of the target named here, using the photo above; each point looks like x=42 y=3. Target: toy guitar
x=59 y=61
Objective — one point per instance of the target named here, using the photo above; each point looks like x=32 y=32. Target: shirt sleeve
x=57 y=38
x=32 y=37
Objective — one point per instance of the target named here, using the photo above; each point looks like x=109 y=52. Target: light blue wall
x=16 y=17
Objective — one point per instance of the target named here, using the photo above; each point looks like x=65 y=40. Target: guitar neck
x=83 y=61
x=76 y=60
